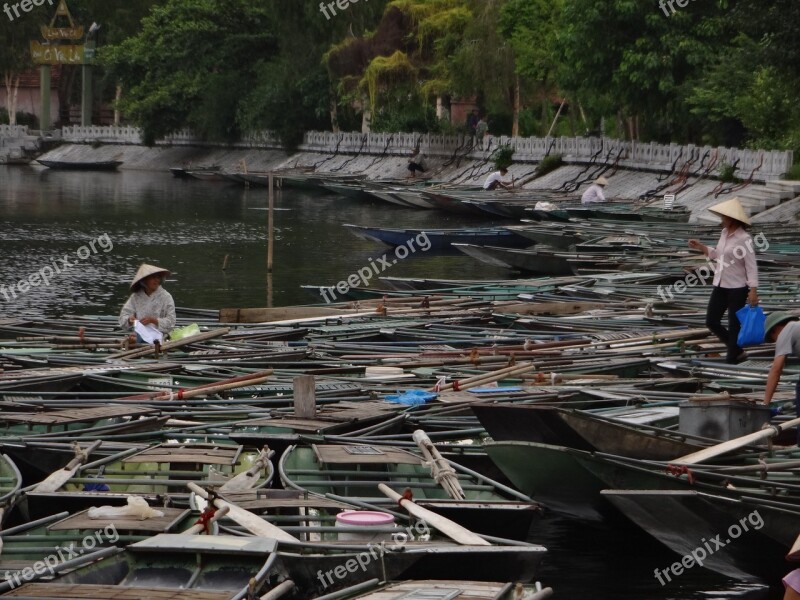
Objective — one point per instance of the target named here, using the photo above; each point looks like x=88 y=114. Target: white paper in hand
x=148 y=333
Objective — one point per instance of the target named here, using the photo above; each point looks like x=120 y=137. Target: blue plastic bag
x=753 y=320
x=412 y=397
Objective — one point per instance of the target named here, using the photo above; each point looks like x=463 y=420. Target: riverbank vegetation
x=720 y=72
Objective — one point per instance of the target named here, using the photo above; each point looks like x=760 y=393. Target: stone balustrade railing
x=13 y=130
x=761 y=165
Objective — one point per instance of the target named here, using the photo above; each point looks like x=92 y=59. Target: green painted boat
x=38 y=540
x=552 y=475
x=354 y=472
x=158 y=473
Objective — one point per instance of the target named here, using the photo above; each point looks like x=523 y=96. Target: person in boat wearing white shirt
x=783 y=330
x=495 y=179
x=594 y=193
x=735 y=275
x=150 y=303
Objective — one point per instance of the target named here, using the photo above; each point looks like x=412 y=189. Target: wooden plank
x=179 y=453
x=305 y=398
x=260 y=500
x=76 y=415
x=85 y=591
x=378 y=455
x=470 y=590
x=288 y=422
x=156 y=524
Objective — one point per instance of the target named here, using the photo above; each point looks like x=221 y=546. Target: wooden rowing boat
x=67 y=165
x=353 y=471
x=158 y=474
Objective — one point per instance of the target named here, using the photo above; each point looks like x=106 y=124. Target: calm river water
x=190 y=226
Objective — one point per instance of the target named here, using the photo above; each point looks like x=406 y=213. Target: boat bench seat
x=68 y=591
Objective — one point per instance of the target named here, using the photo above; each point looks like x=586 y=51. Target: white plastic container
x=368 y=519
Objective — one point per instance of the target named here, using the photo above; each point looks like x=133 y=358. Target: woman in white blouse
x=735 y=275
x=149 y=303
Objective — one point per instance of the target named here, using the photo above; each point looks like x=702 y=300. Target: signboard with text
x=61 y=33
x=63 y=54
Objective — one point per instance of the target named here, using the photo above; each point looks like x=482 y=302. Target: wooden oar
x=206 y=388
x=279 y=591
x=245 y=518
x=57 y=479
x=248 y=479
x=453 y=530
x=735 y=444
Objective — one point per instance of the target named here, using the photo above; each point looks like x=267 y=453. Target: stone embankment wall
x=634 y=169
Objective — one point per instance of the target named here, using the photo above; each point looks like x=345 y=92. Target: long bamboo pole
x=270 y=229
x=200 y=337
x=206 y=388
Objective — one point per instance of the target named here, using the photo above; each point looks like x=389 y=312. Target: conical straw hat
x=601 y=181
x=731 y=208
x=146 y=270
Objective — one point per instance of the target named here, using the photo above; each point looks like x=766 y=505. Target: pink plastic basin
x=363 y=518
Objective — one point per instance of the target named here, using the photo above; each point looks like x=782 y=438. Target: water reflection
x=190 y=226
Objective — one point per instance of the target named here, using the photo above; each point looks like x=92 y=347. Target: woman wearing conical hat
x=149 y=303
x=735 y=275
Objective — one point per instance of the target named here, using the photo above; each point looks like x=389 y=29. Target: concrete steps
x=759 y=198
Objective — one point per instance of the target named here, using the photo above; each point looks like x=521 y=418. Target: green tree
x=181 y=68
x=15 y=59
x=628 y=57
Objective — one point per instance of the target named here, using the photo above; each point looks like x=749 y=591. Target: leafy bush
x=727 y=173
x=794 y=173
x=503 y=157
x=548 y=164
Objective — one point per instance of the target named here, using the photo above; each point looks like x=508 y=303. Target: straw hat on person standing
x=732 y=209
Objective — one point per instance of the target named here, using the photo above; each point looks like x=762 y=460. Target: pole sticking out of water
x=270 y=232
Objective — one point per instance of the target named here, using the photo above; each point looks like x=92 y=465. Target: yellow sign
x=65 y=54
x=62 y=33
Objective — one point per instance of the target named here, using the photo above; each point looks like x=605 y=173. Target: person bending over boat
x=149 y=303
x=495 y=179
x=416 y=162
x=783 y=330
x=735 y=275
x=595 y=193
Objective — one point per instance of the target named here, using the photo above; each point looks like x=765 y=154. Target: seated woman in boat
x=495 y=179
x=595 y=193
x=735 y=275
x=149 y=303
